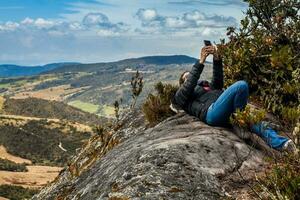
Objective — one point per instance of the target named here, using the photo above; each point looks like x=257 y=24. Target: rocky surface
x=180 y=158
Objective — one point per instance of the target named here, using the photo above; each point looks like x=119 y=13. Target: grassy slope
x=33 y=107
x=107 y=82
x=35 y=137
x=87 y=107
x=38 y=141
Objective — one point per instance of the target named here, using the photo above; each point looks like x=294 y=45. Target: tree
x=265 y=51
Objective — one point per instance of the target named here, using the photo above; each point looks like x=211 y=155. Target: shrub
x=137 y=85
x=117 y=109
x=156 y=107
x=283 y=181
x=16 y=192
x=247 y=117
x=8 y=165
x=39 y=143
x=265 y=52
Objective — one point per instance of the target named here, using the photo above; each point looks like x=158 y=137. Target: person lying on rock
x=214 y=106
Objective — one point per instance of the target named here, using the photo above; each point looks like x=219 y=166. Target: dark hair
x=181 y=80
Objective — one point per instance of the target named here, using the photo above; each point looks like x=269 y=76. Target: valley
x=95 y=87
x=46 y=117
x=37 y=138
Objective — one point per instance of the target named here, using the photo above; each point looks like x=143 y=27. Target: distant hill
x=94 y=87
x=35 y=128
x=33 y=107
x=8 y=70
x=38 y=139
x=132 y=62
x=16 y=70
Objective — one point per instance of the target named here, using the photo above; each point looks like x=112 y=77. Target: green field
x=5 y=85
x=16 y=83
x=88 y=107
x=107 y=111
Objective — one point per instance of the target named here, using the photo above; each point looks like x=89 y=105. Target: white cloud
x=175 y=22
x=75 y=26
x=27 y=21
x=147 y=14
x=95 y=19
x=192 y=21
x=42 y=23
x=96 y=23
x=95 y=36
x=108 y=33
x=9 y=26
x=194 y=16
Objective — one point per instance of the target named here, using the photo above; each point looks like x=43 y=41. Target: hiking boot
x=271 y=125
x=290 y=147
x=241 y=132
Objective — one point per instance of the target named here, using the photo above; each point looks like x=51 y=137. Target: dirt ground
x=5 y=155
x=36 y=177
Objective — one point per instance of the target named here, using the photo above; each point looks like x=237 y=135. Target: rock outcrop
x=180 y=158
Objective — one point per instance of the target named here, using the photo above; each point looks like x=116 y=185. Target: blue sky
x=43 y=31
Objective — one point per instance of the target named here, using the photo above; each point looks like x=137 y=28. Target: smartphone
x=207 y=43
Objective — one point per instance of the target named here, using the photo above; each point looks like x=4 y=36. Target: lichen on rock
x=180 y=158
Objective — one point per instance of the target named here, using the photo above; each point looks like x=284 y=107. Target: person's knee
x=243 y=86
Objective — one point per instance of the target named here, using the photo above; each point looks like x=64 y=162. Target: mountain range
x=94 y=87
x=7 y=70
x=48 y=112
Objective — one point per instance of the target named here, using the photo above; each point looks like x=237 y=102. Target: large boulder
x=180 y=158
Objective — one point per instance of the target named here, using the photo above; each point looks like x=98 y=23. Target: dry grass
x=2 y=100
x=5 y=155
x=66 y=126
x=58 y=93
x=36 y=177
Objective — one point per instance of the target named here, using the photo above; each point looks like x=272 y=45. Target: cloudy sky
x=43 y=31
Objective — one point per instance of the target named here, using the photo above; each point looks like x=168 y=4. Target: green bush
x=247 y=117
x=16 y=192
x=264 y=51
x=8 y=165
x=39 y=143
x=156 y=107
x=283 y=181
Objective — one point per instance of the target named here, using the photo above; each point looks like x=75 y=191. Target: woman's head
x=183 y=77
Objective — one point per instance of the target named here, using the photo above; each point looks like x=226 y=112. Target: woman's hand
x=206 y=51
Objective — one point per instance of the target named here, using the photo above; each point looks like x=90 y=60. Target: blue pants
x=236 y=97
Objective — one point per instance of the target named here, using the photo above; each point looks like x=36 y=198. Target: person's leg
x=269 y=135
x=234 y=97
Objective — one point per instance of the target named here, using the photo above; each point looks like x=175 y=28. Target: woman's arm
x=187 y=88
x=218 y=75
x=185 y=91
